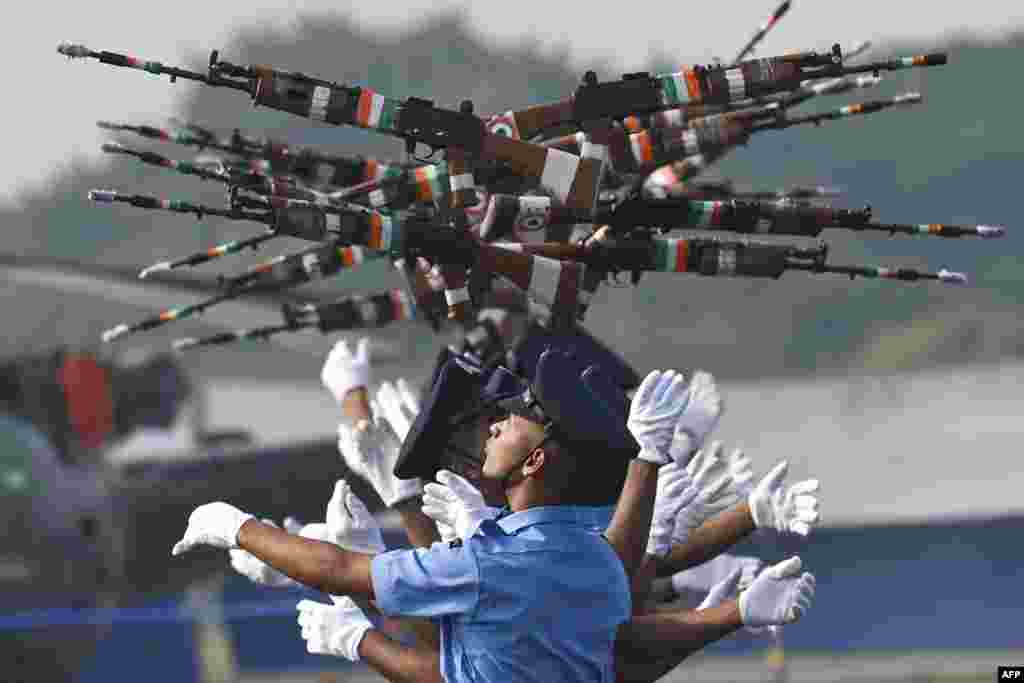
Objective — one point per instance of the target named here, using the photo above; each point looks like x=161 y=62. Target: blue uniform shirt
x=532 y=597
x=597 y=518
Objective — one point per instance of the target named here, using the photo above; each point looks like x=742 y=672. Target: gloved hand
x=255 y=569
x=410 y=397
x=675 y=491
x=779 y=595
x=653 y=412
x=333 y=629
x=455 y=505
x=723 y=590
x=709 y=470
x=343 y=371
x=699 y=418
x=213 y=524
x=393 y=405
x=742 y=472
x=794 y=510
x=317 y=531
x=350 y=525
x=371 y=452
x=703 y=495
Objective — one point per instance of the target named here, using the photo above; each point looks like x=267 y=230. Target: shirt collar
x=512 y=522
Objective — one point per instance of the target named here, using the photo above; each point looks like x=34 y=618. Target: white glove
x=213 y=524
x=705 y=496
x=333 y=629
x=742 y=472
x=674 y=492
x=393 y=406
x=371 y=452
x=794 y=511
x=699 y=418
x=455 y=505
x=779 y=595
x=316 y=531
x=723 y=590
x=711 y=485
x=350 y=525
x=653 y=412
x=343 y=372
x=255 y=569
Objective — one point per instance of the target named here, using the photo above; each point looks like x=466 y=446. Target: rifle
x=347 y=313
x=282 y=272
x=698 y=90
x=415 y=120
x=682 y=170
x=712 y=257
x=712 y=190
x=645 y=150
x=669 y=118
x=283 y=217
x=780 y=217
x=510 y=215
x=268 y=156
x=399 y=185
x=761 y=32
x=380 y=190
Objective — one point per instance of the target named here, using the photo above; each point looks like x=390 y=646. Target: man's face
x=467 y=459
x=511 y=441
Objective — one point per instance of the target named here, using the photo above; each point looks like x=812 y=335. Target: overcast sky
x=50 y=105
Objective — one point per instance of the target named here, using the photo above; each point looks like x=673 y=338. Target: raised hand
x=344 y=371
x=675 y=491
x=779 y=595
x=396 y=406
x=371 y=451
x=333 y=629
x=455 y=505
x=213 y=524
x=653 y=413
x=793 y=510
x=699 y=417
x=350 y=525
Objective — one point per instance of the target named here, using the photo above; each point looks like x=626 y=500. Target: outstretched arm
x=320 y=565
x=711 y=539
x=770 y=505
x=649 y=646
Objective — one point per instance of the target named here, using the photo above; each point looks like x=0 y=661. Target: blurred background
x=905 y=400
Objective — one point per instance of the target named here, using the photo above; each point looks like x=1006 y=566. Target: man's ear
x=534 y=462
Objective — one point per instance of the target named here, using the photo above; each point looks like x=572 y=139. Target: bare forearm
x=323 y=566
x=355 y=407
x=640 y=585
x=400 y=663
x=710 y=540
x=420 y=529
x=649 y=646
x=631 y=523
